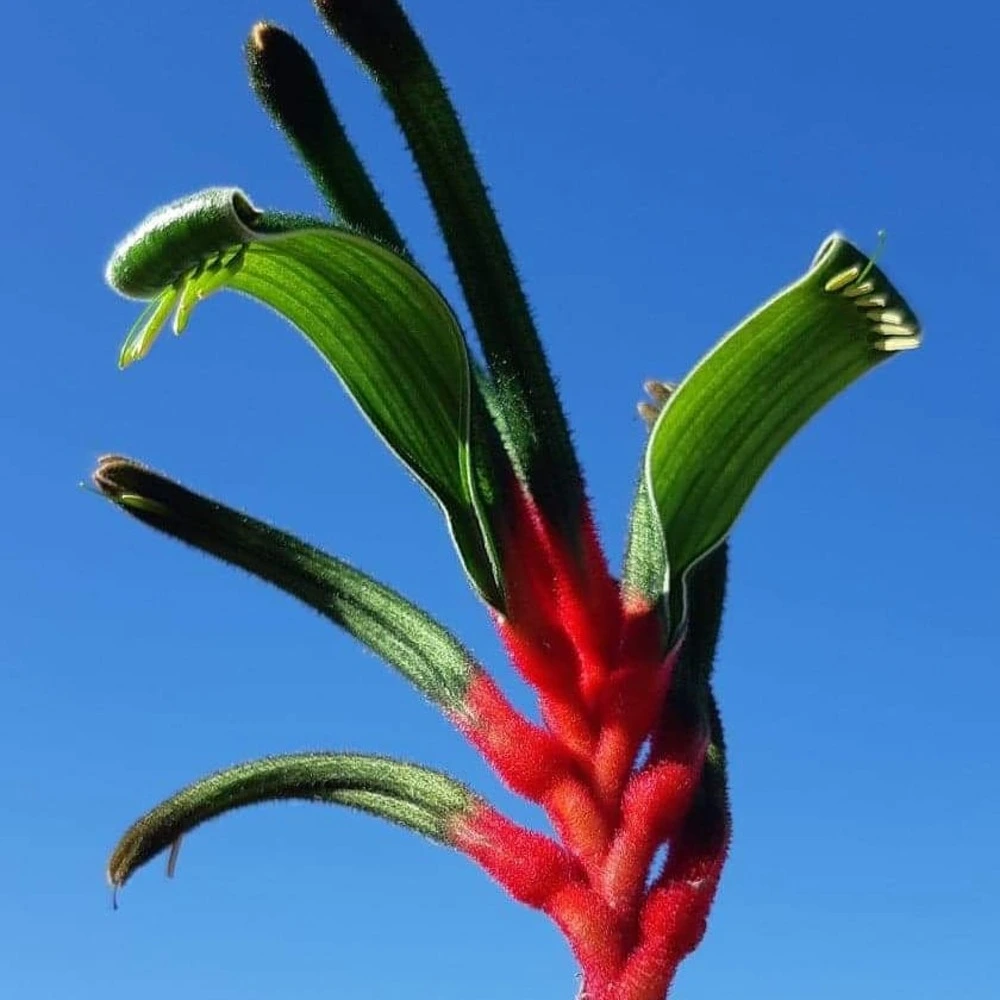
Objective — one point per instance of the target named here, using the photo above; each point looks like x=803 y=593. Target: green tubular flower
x=379 y=323
x=725 y=423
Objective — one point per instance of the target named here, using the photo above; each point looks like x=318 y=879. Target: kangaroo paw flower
x=626 y=756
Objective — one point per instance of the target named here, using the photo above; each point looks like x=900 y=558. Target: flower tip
x=133 y=487
x=856 y=277
x=102 y=476
x=259 y=34
x=274 y=55
x=267 y=43
x=831 y=243
x=112 y=474
x=287 y=83
x=378 y=29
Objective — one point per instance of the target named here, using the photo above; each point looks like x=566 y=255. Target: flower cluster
x=628 y=756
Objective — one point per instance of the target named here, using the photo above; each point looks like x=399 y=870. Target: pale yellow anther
x=890 y=344
x=873 y=302
x=895 y=330
x=893 y=316
x=838 y=281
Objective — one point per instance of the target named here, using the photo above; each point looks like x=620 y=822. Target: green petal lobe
x=409 y=795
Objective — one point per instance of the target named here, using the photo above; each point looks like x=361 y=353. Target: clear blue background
x=658 y=173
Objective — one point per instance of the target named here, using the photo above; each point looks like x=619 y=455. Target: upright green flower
x=618 y=663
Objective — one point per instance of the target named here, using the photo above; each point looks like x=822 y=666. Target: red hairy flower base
x=596 y=660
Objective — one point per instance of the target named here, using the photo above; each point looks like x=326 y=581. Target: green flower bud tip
x=286 y=80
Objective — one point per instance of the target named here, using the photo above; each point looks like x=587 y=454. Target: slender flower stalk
x=629 y=756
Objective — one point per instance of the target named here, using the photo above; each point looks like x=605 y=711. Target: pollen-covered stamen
x=892 y=326
x=659 y=391
x=896 y=343
x=179 y=299
x=844 y=278
x=877 y=301
x=861 y=288
x=205 y=280
x=147 y=327
x=891 y=316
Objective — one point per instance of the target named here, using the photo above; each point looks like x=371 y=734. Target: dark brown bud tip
x=286 y=81
x=648 y=412
x=658 y=391
x=107 y=477
x=136 y=488
x=260 y=33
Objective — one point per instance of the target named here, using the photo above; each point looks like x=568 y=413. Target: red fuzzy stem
x=596 y=659
x=577 y=816
x=528 y=570
x=589 y=609
x=555 y=594
x=655 y=805
x=675 y=913
x=592 y=931
x=530 y=866
x=631 y=702
x=533 y=763
x=528 y=759
x=550 y=667
x=540 y=874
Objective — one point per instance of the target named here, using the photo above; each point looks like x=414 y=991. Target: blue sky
x=658 y=175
